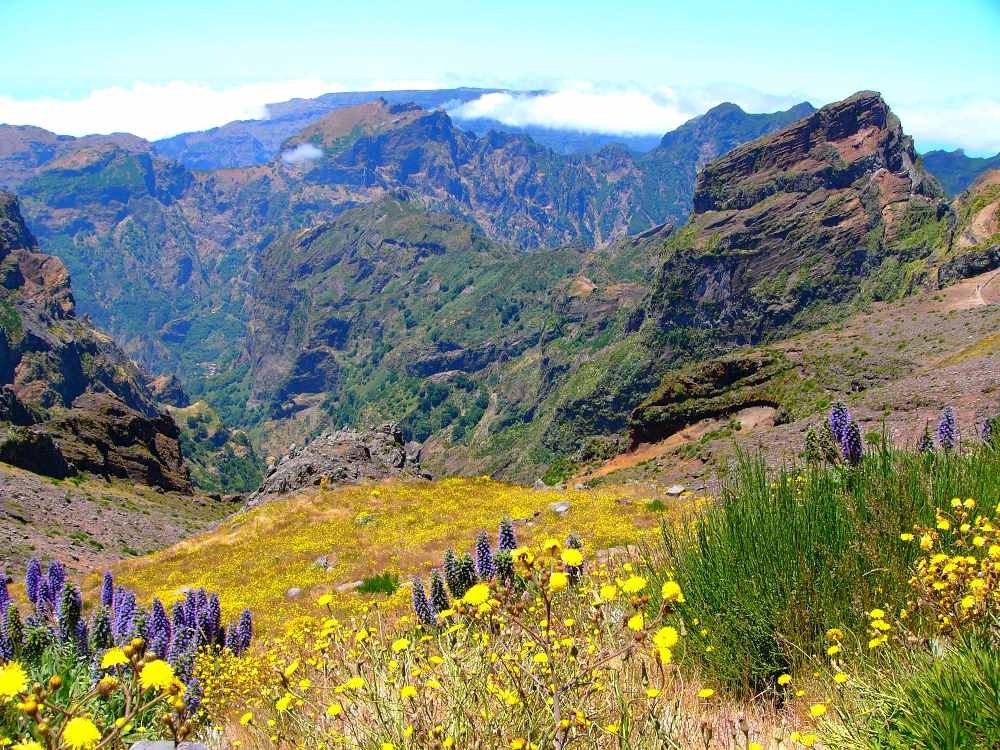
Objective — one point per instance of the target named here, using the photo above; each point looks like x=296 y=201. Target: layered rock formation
x=344 y=456
x=797 y=218
x=71 y=399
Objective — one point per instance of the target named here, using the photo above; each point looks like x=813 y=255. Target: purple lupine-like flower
x=840 y=420
x=507 y=538
x=926 y=442
x=177 y=617
x=6 y=646
x=43 y=604
x=108 y=590
x=484 y=557
x=158 y=629
x=4 y=598
x=69 y=613
x=230 y=643
x=439 y=594
x=56 y=581
x=851 y=446
x=124 y=617
x=82 y=639
x=33 y=580
x=244 y=631
x=947 y=430
x=214 y=618
x=193 y=695
x=421 y=606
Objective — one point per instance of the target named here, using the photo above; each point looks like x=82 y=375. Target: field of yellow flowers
x=279 y=558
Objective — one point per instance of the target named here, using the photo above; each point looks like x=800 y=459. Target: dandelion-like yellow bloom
x=408 y=692
x=608 y=592
x=634 y=584
x=558 y=581
x=666 y=637
x=13 y=680
x=80 y=733
x=113 y=657
x=572 y=557
x=284 y=702
x=817 y=710
x=706 y=693
x=784 y=679
x=478 y=594
x=157 y=674
x=671 y=592
x=636 y=622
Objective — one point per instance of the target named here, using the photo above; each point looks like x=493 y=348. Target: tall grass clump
x=948 y=702
x=786 y=555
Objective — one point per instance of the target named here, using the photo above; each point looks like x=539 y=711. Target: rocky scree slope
x=70 y=398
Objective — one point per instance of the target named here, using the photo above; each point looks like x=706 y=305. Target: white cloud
x=302 y=153
x=582 y=106
x=156 y=110
x=972 y=125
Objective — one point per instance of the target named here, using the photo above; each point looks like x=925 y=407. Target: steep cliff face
x=799 y=218
x=72 y=399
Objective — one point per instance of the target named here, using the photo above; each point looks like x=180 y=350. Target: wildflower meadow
x=850 y=601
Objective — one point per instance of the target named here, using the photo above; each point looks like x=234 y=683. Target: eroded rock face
x=73 y=399
x=344 y=456
x=798 y=217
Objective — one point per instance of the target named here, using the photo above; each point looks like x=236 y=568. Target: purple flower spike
x=244 y=631
x=851 y=446
x=33 y=580
x=108 y=590
x=507 y=540
x=421 y=606
x=57 y=581
x=948 y=429
x=840 y=420
x=484 y=558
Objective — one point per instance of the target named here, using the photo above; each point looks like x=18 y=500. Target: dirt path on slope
x=976 y=291
x=749 y=419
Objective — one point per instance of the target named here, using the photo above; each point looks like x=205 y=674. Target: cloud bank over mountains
x=161 y=110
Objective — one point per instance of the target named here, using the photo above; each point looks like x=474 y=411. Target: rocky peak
x=14 y=234
x=798 y=217
x=828 y=149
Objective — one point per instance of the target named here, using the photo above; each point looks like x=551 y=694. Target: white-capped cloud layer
x=156 y=110
x=302 y=153
x=972 y=124
x=581 y=106
x=161 y=110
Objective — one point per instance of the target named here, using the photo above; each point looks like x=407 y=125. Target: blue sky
x=937 y=63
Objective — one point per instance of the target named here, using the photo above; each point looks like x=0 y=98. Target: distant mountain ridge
x=956 y=171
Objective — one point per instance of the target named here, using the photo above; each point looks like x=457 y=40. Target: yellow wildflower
x=80 y=733
x=13 y=680
x=157 y=674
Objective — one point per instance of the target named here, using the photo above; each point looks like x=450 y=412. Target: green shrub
x=383 y=583
x=784 y=556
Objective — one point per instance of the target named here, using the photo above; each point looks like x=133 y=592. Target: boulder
x=341 y=457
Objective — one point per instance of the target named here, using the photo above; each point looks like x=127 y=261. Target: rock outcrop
x=344 y=456
x=798 y=218
x=73 y=399
x=716 y=388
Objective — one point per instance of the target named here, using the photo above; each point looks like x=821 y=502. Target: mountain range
x=510 y=305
